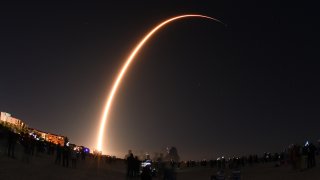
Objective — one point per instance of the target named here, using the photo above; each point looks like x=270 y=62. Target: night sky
x=209 y=90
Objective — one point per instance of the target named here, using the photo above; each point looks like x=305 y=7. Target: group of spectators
x=303 y=157
x=133 y=165
x=147 y=169
x=300 y=157
x=34 y=147
x=67 y=153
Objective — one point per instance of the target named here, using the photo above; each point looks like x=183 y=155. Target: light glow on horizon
x=127 y=63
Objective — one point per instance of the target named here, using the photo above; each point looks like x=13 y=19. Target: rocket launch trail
x=126 y=65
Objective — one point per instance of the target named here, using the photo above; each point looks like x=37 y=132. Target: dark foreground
x=42 y=166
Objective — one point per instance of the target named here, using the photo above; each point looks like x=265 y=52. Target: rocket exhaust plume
x=126 y=65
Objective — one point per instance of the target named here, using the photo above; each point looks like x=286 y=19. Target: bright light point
x=127 y=63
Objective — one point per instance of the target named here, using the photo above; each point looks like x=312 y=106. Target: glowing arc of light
x=127 y=64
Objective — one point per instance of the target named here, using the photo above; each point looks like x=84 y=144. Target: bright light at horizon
x=125 y=67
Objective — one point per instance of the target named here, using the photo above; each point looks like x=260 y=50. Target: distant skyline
x=206 y=89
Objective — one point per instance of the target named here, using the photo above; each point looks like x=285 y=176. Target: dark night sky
x=209 y=90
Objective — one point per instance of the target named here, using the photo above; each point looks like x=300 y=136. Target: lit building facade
x=49 y=137
x=19 y=126
x=6 y=118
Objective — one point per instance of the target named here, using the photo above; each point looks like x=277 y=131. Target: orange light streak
x=126 y=65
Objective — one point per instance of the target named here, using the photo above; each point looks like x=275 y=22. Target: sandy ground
x=42 y=167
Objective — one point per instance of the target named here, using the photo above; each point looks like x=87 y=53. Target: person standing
x=130 y=164
x=66 y=152
x=73 y=158
x=12 y=138
x=58 y=154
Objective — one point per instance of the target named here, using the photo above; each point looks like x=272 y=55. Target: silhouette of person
x=136 y=167
x=146 y=173
x=58 y=154
x=131 y=165
x=311 y=155
x=73 y=158
x=65 y=154
x=12 y=138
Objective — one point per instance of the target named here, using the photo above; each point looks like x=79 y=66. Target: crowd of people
x=303 y=157
x=147 y=168
x=300 y=157
x=64 y=153
x=133 y=165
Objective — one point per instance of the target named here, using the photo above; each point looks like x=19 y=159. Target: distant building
x=49 y=137
x=19 y=126
x=7 y=119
